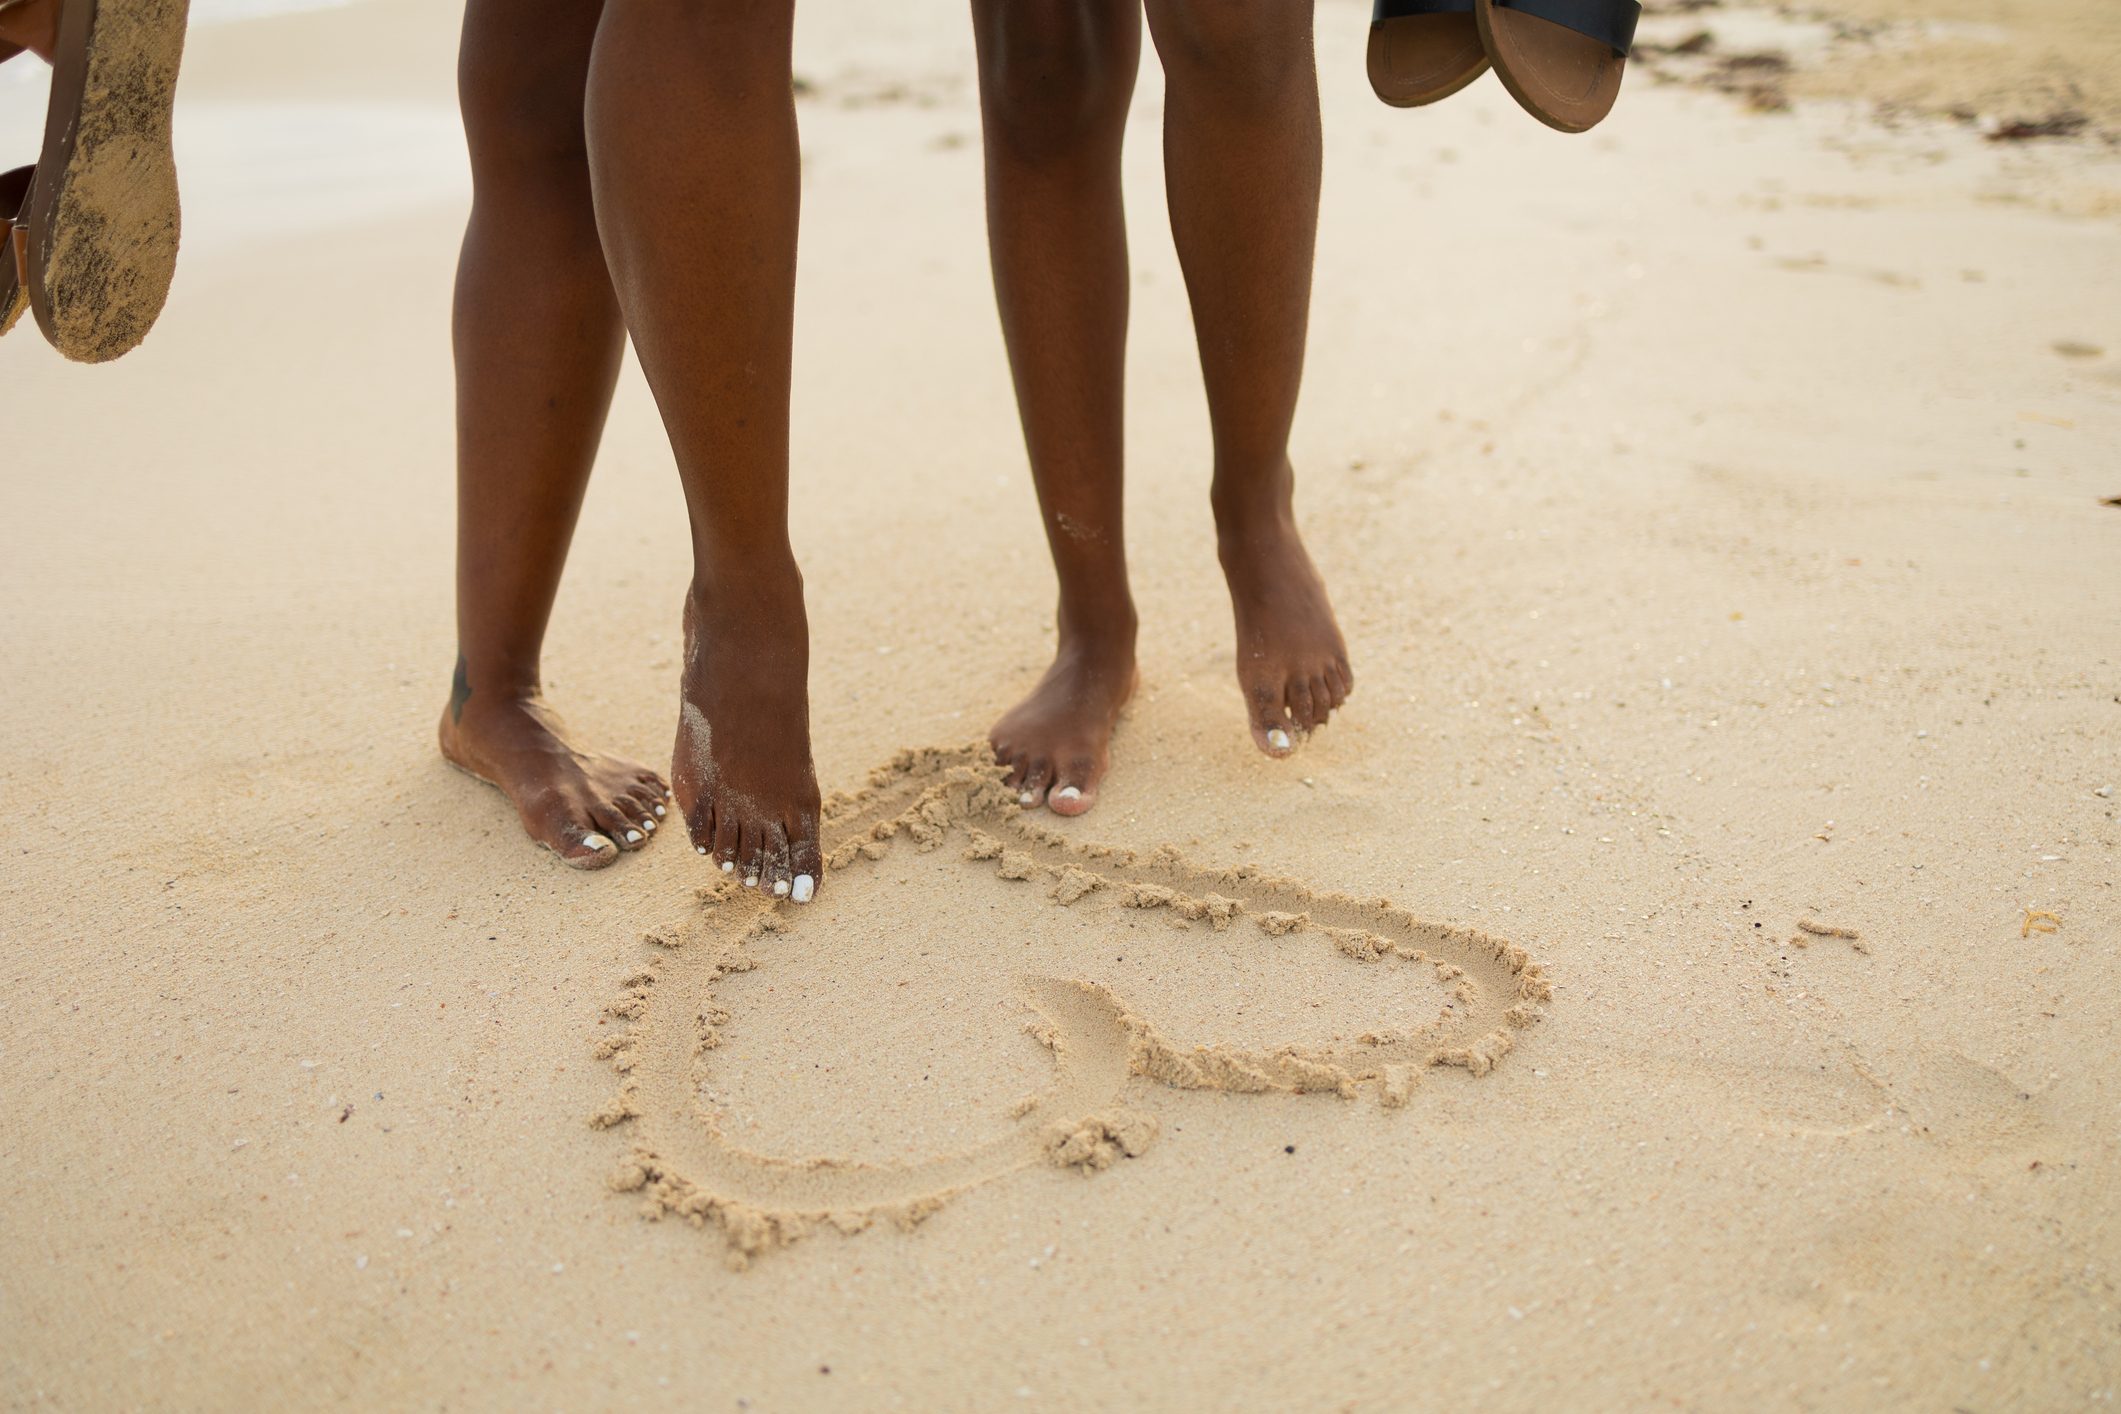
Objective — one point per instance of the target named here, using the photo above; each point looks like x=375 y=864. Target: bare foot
x=742 y=766
x=584 y=806
x=1292 y=664
x=1057 y=741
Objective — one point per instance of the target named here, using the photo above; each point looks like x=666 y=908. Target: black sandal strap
x=14 y=193
x=1400 y=9
x=1611 y=22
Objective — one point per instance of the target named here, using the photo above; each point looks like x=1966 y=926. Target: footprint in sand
x=1003 y=997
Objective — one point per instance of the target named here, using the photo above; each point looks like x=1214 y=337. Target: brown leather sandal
x=102 y=221
x=1423 y=50
x=1562 y=60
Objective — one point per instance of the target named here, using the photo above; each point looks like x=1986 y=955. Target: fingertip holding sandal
x=1562 y=60
x=1422 y=51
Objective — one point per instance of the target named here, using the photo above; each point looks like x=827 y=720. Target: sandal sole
x=1416 y=60
x=104 y=220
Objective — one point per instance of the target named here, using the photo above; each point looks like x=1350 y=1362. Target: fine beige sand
x=1684 y=975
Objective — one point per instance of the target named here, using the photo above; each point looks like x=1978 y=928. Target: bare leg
x=538 y=341
x=1241 y=157
x=1056 y=77
x=692 y=142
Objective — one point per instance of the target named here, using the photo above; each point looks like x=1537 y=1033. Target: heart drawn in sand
x=1106 y=1062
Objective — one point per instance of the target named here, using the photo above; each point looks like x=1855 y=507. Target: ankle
x=1253 y=536
x=1103 y=630
x=746 y=575
x=484 y=685
x=1253 y=504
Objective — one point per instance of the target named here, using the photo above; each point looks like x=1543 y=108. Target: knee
x=1054 y=74
x=520 y=115
x=1254 y=49
x=716 y=53
x=727 y=33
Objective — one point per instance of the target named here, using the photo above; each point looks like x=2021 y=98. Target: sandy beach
x=1683 y=975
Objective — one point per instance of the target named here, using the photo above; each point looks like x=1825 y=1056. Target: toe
x=1038 y=779
x=620 y=824
x=774 y=875
x=639 y=810
x=1077 y=788
x=650 y=820
x=699 y=828
x=588 y=851
x=1024 y=784
x=1301 y=712
x=1321 y=703
x=1270 y=722
x=751 y=856
x=807 y=861
x=728 y=840
x=1013 y=778
x=583 y=847
x=1336 y=685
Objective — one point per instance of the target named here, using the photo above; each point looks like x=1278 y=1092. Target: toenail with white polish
x=701 y=848
x=596 y=842
x=780 y=888
x=728 y=865
x=805 y=888
x=1278 y=739
x=633 y=837
x=659 y=812
x=751 y=881
x=1025 y=799
x=648 y=825
x=1067 y=793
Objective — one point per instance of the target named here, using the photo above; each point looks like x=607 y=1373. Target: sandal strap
x=14 y=193
x=14 y=222
x=1611 y=22
x=1400 y=9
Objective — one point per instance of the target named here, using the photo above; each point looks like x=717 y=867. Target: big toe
x=1275 y=741
x=807 y=861
x=1273 y=733
x=565 y=828
x=1273 y=729
x=1075 y=790
x=580 y=845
